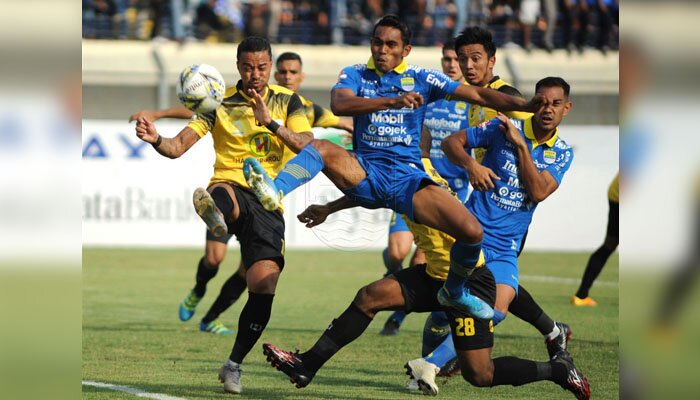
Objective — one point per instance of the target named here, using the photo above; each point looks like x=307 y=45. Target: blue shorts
x=503 y=266
x=461 y=187
x=397 y=224
x=389 y=184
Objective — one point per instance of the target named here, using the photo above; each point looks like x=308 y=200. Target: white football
x=201 y=88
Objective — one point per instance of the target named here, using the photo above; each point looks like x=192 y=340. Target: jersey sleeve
x=324 y=118
x=440 y=86
x=203 y=123
x=562 y=164
x=296 y=115
x=349 y=78
x=480 y=135
x=510 y=90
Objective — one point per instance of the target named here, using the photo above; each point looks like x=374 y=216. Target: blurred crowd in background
x=571 y=24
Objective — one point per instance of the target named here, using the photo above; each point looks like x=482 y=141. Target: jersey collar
x=530 y=134
x=239 y=86
x=400 y=69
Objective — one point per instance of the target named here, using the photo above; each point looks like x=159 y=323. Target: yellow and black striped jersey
x=479 y=114
x=614 y=189
x=317 y=115
x=435 y=244
x=237 y=135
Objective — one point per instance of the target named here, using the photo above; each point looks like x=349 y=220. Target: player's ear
x=303 y=76
x=406 y=50
x=492 y=62
x=567 y=107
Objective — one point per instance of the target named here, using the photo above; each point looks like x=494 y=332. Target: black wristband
x=158 y=142
x=273 y=126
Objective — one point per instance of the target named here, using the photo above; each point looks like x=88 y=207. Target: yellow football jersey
x=317 y=115
x=479 y=114
x=237 y=135
x=435 y=244
x=614 y=189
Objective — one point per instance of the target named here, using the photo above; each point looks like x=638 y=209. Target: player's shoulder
x=230 y=91
x=277 y=89
x=504 y=87
x=561 y=145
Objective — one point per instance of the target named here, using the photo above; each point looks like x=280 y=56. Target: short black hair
x=288 y=56
x=253 y=44
x=553 y=81
x=476 y=35
x=449 y=45
x=394 y=22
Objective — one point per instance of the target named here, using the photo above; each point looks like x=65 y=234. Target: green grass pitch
x=132 y=335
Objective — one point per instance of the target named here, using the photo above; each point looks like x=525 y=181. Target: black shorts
x=613 y=220
x=260 y=232
x=420 y=295
x=223 y=239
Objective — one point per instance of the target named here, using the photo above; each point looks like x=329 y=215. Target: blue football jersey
x=393 y=134
x=506 y=211
x=443 y=118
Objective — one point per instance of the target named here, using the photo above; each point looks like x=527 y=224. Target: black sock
x=224 y=203
x=525 y=308
x=230 y=292
x=516 y=371
x=343 y=330
x=593 y=268
x=253 y=320
x=204 y=275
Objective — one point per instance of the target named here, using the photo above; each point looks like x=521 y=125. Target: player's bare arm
x=425 y=141
x=345 y=102
x=480 y=177
x=345 y=124
x=539 y=185
x=179 y=112
x=168 y=147
x=294 y=140
x=316 y=214
x=491 y=98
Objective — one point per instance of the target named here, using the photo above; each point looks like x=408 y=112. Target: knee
x=395 y=254
x=321 y=145
x=477 y=378
x=365 y=300
x=212 y=260
x=472 y=231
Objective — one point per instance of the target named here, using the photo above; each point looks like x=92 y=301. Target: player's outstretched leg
x=206 y=207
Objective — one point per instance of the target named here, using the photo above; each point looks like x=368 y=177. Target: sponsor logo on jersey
x=386 y=118
x=407 y=83
x=260 y=144
x=433 y=80
x=440 y=123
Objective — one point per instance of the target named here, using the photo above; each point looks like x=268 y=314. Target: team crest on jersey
x=407 y=83
x=260 y=144
x=550 y=156
x=460 y=107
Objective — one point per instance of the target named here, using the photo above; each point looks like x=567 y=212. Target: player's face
x=450 y=65
x=387 y=48
x=555 y=106
x=289 y=74
x=255 y=68
x=476 y=65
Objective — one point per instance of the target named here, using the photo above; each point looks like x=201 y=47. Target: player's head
x=450 y=65
x=556 y=103
x=288 y=73
x=476 y=53
x=254 y=62
x=390 y=43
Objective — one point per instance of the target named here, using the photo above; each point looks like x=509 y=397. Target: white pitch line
x=130 y=390
x=564 y=281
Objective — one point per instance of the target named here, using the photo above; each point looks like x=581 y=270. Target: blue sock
x=444 y=352
x=434 y=331
x=463 y=259
x=398 y=317
x=299 y=170
x=498 y=317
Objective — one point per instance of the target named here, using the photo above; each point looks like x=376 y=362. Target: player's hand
x=150 y=115
x=535 y=103
x=510 y=131
x=314 y=215
x=146 y=130
x=408 y=100
x=481 y=177
x=346 y=139
x=260 y=110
